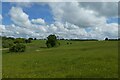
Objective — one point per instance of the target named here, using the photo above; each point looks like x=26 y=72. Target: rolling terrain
x=80 y=59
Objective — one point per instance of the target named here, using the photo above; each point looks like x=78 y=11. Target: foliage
x=17 y=48
x=7 y=43
x=48 y=45
x=19 y=40
x=106 y=39
x=30 y=38
x=52 y=41
x=35 y=38
x=5 y=38
x=27 y=41
x=67 y=43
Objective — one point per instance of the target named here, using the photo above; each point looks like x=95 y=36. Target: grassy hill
x=81 y=59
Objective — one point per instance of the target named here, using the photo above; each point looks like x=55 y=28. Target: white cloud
x=0 y=17
x=85 y=16
x=22 y=26
x=67 y=30
x=2 y=28
x=19 y=17
x=104 y=30
x=38 y=21
x=22 y=4
x=73 y=13
x=106 y=9
x=71 y=21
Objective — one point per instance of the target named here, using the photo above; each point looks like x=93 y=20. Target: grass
x=81 y=59
x=0 y=42
x=0 y=58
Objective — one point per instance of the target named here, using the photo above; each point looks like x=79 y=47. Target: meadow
x=81 y=59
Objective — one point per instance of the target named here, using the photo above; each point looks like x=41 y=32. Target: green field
x=0 y=58
x=81 y=59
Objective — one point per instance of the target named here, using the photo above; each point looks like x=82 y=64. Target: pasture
x=81 y=59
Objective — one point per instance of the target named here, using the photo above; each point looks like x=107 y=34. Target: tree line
x=15 y=44
x=18 y=44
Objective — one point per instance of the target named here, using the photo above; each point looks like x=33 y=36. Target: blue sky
x=113 y=20
x=64 y=19
x=5 y=13
x=35 y=11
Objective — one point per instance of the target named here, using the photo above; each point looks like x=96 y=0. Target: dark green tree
x=30 y=38
x=35 y=38
x=52 y=41
x=106 y=39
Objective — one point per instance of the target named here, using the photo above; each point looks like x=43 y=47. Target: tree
x=52 y=41
x=35 y=38
x=106 y=39
x=30 y=38
x=18 y=47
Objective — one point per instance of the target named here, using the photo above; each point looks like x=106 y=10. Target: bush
x=27 y=41
x=17 y=48
x=67 y=43
x=7 y=43
x=59 y=43
x=19 y=40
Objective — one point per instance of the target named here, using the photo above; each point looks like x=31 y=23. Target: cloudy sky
x=76 y=20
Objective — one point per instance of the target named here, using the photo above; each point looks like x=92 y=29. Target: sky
x=69 y=20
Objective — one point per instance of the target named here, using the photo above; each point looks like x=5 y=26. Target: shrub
x=17 y=48
x=27 y=41
x=59 y=43
x=19 y=40
x=7 y=43
x=67 y=43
